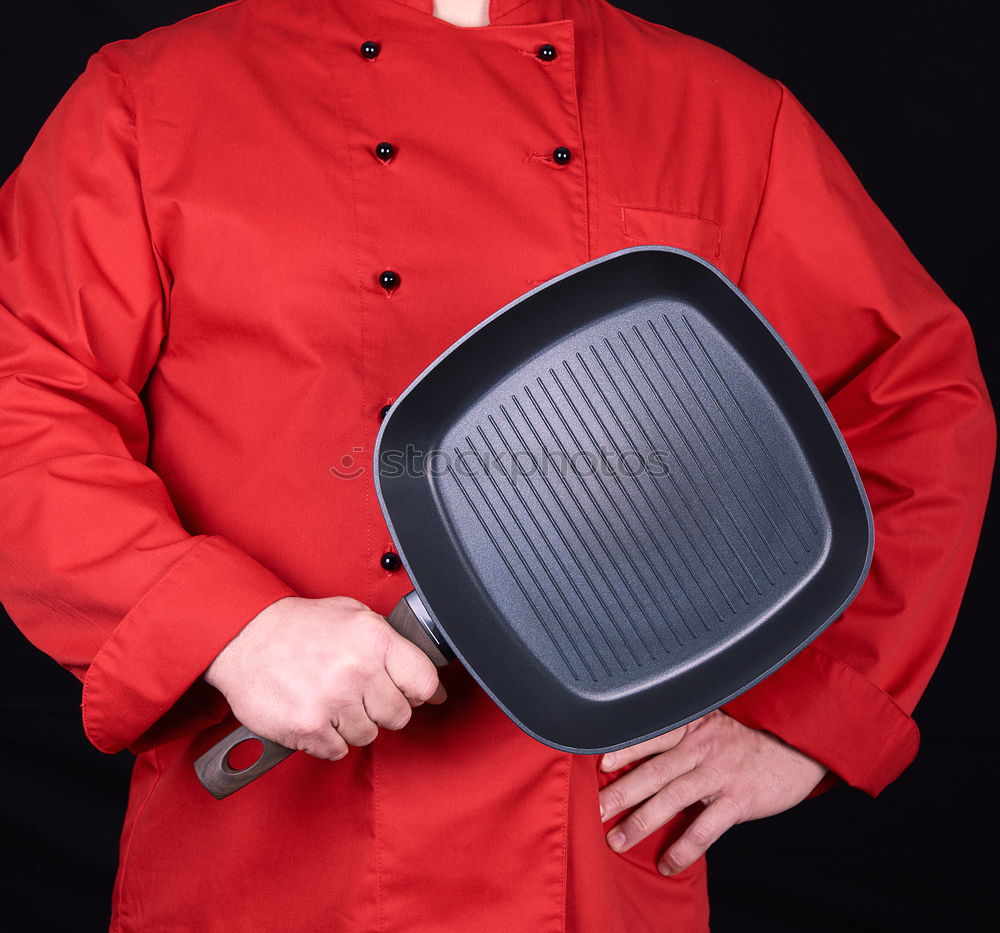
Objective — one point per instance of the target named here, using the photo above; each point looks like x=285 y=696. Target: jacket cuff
x=830 y=712
x=143 y=686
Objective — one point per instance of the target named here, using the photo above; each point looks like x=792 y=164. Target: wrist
x=216 y=674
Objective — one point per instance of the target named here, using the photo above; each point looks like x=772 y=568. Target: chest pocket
x=651 y=225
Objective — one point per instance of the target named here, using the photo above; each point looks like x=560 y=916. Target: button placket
x=559 y=155
x=558 y=59
x=389 y=280
x=385 y=152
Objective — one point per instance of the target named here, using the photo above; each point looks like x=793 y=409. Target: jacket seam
x=568 y=765
x=343 y=138
x=587 y=174
x=767 y=179
x=123 y=869
x=130 y=104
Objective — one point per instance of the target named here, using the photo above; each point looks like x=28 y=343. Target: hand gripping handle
x=409 y=618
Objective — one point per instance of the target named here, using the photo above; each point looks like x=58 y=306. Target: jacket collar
x=498 y=8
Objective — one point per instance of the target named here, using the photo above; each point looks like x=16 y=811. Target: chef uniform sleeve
x=95 y=566
x=895 y=360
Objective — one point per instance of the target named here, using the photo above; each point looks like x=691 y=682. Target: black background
x=908 y=92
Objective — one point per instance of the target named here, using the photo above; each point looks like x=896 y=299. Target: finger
x=710 y=824
x=646 y=780
x=663 y=806
x=324 y=743
x=355 y=726
x=439 y=695
x=385 y=705
x=412 y=672
x=436 y=698
x=661 y=743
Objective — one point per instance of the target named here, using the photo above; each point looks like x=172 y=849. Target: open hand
x=738 y=773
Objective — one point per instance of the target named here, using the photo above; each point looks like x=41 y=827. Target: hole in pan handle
x=409 y=617
x=220 y=778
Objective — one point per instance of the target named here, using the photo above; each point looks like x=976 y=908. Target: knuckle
x=614 y=799
x=352 y=664
x=343 y=602
x=673 y=862
x=639 y=824
x=354 y=670
x=735 y=808
x=307 y=730
x=398 y=720
x=364 y=736
x=376 y=625
x=700 y=835
x=658 y=771
x=702 y=741
x=325 y=750
x=670 y=797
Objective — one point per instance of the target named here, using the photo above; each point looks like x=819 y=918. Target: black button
x=561 y=155
x=385 y=151
x=389 y=280
x=390 y=561
x=370 y=49
x=547 y=52
x=383 y=411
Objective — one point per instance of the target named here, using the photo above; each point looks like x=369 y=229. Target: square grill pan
x=621 y=500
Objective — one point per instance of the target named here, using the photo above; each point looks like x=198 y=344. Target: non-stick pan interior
x=622 y=501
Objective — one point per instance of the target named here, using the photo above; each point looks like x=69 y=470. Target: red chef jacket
x=193 y=333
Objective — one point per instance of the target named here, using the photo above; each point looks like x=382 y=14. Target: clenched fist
x=318 y=675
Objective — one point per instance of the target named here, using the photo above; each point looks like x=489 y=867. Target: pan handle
x=409 y=617
x=220 y=778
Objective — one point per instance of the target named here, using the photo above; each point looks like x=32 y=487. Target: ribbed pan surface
x=623 y=502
